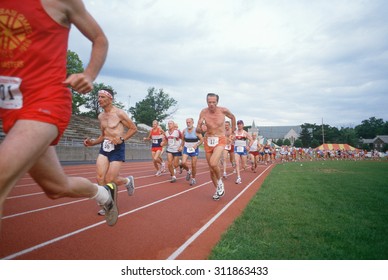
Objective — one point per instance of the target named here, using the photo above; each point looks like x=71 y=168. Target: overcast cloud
x=273 y=62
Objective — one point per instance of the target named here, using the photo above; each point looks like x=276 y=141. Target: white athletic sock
x=102 y=195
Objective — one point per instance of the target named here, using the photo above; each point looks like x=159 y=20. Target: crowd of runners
x=243 y=151
x=34 y=121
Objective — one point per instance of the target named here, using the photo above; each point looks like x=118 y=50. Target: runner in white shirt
x=172 y=140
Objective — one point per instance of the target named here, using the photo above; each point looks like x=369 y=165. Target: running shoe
x=192 y=182
x=158 y=173
x=163 y=168
x=188 y=175
x=101 y=212
x=130 y=185
x=224 y=175
x=110 y=207
x=238 y=181
x=216 y=196
x=220 y=191
x=173 y=179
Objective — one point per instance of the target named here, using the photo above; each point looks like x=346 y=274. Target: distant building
x=275 y=133
x=377 y=143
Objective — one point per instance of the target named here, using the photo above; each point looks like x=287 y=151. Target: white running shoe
x=110 y=207
x=163 y=168
x=220 y=191
x=216 y=196
x=158 y=173
x=130 y=185
x=173 y=179
x=224 y=175
x=193 y=182
x=238 y=181
x=188 y=175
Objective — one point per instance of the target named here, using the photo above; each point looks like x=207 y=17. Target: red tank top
x=33 y=47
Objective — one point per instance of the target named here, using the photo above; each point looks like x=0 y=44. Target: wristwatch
x=122 y=139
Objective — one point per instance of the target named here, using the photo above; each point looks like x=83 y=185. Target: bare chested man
x=211 y=121
x=113 y=122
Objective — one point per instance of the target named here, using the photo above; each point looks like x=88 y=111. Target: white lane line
x=59 y=238
x=183 y=247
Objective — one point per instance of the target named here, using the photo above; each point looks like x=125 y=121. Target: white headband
x=106 y=93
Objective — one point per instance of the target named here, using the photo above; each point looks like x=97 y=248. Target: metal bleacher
x=71 y=148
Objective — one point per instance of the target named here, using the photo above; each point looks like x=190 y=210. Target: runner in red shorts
x=156 y=136
x=36 y=104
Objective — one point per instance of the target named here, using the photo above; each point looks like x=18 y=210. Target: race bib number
x=155 y=141
x=171 y=141
x=228 y=147
x=10 y=94
x=107 y=146
x=240 y=149
x=212 y=141
x=190 y=150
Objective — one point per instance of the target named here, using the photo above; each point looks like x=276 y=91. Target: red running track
x=162 y=220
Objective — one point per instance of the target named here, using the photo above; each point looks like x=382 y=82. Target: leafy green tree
x=298 y=143
x=348 y=136
x=314 y=143
x=305 y=136
x=369 y=129
x=74 y=65
x=385 y=129
x=279 y=142
x=287 y=142
x=155 y=106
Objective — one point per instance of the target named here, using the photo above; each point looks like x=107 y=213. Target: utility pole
x=129 y=103
x=323 y=134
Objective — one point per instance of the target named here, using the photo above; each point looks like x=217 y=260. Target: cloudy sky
x=275 y=62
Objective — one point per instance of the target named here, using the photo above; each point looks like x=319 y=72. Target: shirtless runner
x=113 y=123
x=211 y=122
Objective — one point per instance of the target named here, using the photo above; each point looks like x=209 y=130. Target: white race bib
x=240 y=149
x=228 y=147
x=190 y=150
x=10 y=94
x=107 y=146
x=212 y=141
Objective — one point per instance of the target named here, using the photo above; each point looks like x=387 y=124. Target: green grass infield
x=321 y=210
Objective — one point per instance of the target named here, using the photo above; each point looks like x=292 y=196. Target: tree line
x=313 y=135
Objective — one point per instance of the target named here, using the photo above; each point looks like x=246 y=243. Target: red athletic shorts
x=54 y=111
x=155 y=149
x=255 y=153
